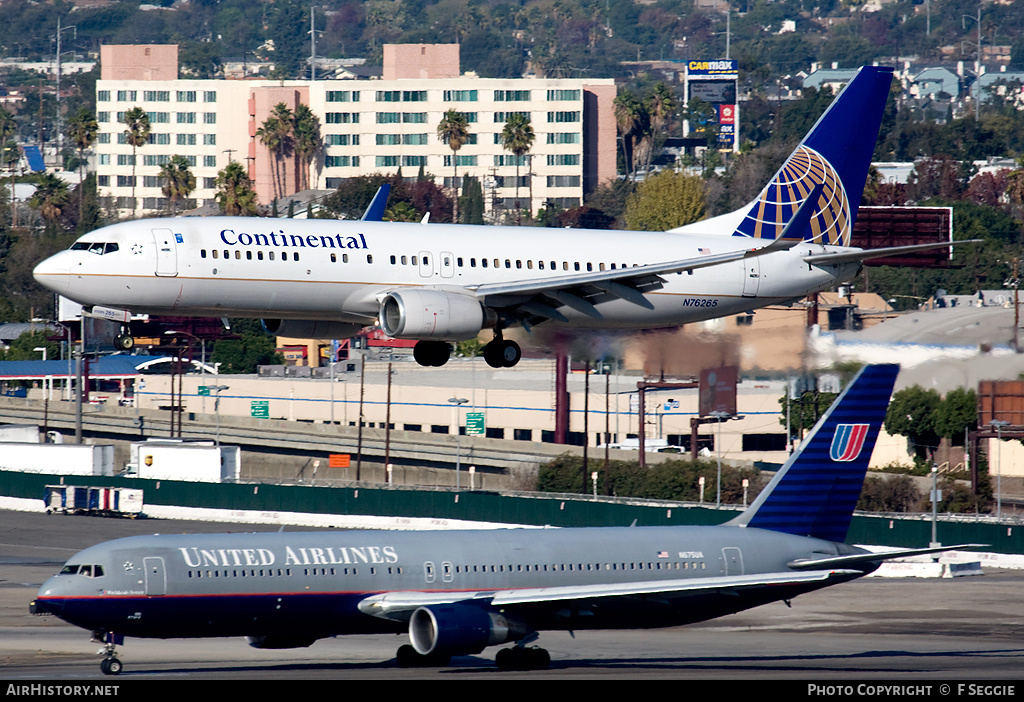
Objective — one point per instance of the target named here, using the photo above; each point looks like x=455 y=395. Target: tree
x=630 y=118
x=82 y=130
x=50 y=197
x=276 y=135
x=453 y=130
x=8 y=149
x=307 y=141
x=665 y=201
x=518 y=136
x=660 y=106
x=912 y=413
x=137 y=130
x=235 y=195
x=178 y=181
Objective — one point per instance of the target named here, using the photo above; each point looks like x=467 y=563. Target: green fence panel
x=539 y=510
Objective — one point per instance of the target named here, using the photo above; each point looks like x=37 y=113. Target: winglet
x=375 y=210
x=816 y=490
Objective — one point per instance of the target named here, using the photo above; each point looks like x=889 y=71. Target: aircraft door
x=156 y=577
x=426 y=264
x=166 y=243
x=751 y=277
x=732 y=558
x=447 y=264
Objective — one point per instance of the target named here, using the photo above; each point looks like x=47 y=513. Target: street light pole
x=998 y=425
x=458 y=402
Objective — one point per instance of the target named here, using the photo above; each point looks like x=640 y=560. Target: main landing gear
x=515 y=658
x=110 y=665
x=500 y=353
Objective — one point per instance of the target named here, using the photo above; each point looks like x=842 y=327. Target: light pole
x=719 y=415
x=458 y=402
x=998 y=425
x=216 y=407
x=202 y=357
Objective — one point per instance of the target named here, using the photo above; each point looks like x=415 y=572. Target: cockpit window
x=89 y=571
x=97 y=247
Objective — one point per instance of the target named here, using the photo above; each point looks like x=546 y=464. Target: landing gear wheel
x=409 y=657
x=432 y=353
x=110 y=666
x=523 y=659
x=502 y=353
x=124 y=342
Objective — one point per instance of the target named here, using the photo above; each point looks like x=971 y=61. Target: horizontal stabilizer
x=828 y=259
x=859 y=558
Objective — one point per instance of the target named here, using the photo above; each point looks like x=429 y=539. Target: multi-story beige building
x=373 y=126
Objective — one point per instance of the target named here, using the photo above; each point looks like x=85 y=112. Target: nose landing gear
x=110 y=665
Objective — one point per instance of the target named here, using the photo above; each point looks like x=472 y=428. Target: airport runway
x=965 y=629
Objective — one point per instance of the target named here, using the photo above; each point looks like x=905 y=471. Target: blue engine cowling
x=459 y=630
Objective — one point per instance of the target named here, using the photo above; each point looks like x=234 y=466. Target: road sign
x=339 y=460
x=204 y=390
x=260 y=409
x=475 y=425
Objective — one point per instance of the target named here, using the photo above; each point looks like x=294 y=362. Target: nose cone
x=54 y=273
x=50 y=598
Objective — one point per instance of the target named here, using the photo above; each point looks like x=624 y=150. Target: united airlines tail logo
x=831 y=222
x=848 y=441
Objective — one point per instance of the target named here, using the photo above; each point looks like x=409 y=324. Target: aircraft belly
x=317 y=615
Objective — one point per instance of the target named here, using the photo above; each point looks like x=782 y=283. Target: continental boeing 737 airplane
x=438 y=283
x=458 y=592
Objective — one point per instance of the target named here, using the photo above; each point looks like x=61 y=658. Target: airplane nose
x=50 y=599
x=53 y=273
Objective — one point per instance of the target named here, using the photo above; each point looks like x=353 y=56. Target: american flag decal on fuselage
x=848 y=441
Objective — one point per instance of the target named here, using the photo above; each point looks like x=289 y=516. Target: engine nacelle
x=280 y=641
x=417 y=313
x=459 y=630
x=310 y=328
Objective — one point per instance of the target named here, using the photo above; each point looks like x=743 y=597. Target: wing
x=399 y=606
x=538 y=299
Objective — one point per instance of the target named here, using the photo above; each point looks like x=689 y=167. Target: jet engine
x=459 y=630
x=310 y=328
x=431 y=314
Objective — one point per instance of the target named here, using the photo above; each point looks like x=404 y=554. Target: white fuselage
x=340 y=270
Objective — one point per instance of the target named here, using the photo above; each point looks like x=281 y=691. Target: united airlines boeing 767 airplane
x=440 y=283
x=458 y=592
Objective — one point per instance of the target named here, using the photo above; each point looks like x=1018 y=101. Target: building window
x=563 y=95
x=186 y=96
x=560 y=117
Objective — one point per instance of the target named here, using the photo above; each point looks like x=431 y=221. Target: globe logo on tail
x=831 y=222
x=848 y=441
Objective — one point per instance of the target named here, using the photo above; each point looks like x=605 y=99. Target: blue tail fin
x=835 y=153
x=815 y=492
x=375 y=210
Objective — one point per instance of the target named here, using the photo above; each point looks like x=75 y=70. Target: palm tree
x=660 y=106
x=137 y=129
x=454 y=131
x=517 y=136
x=276 y=135
x=308 y=142
x=50 y=197
x=234 y=190
x=179 y=182
x=82 y=130
x=629 y=118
